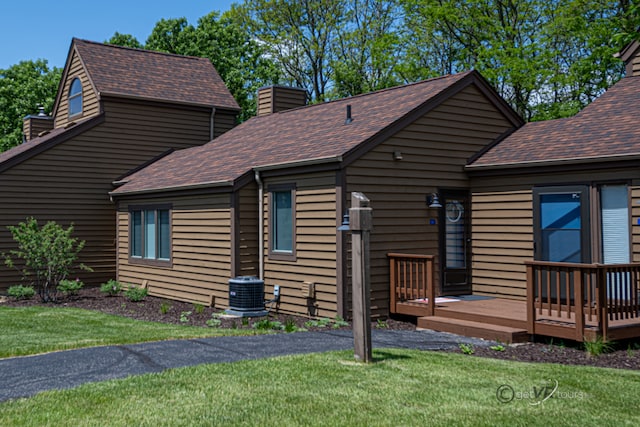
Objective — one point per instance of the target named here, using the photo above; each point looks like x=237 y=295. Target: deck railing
x=412 y=278
x=580 y=296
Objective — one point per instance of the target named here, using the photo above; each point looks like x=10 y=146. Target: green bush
x=21 y=292
x=135 y=294
x=111 y=288
x=70 y=287
x=46 y=254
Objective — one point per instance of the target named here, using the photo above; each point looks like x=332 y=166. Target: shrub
x=21 y=292
x=47 y=254
x=111 y=288
x=70 y=287
x=135 y=294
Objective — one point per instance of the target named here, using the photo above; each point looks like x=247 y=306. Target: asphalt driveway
x=26 y=376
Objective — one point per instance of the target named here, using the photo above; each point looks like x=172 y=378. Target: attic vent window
x=75 y=97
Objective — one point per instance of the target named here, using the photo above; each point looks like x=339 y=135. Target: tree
x=126 y=40
x=23 y=87
x=173 y=36
x=299 y=35
x=242 y=62
x=48 y=254
x=546 y=58
x=367 y=48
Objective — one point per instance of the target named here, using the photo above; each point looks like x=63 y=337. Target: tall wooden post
x=360 y=224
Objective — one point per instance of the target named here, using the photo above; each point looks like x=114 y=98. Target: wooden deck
x=491 y=318
x=571 y=301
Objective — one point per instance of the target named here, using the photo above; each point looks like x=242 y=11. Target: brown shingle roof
x=141 y=73
x=309 y=133
x=607 y=128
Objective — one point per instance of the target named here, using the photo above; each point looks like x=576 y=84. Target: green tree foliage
x=23 y=87
x=299 y=35
x=242 y=62
x=126 y=40
x=546 y=58
x=46 y=254
x=367 y=48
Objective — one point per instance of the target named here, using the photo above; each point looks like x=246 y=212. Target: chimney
x=272 y=99
x=630 y=55
x=33 y=125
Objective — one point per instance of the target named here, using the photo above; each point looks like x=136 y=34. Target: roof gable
x=136 y=73
x=317 y=133
x=605 y=129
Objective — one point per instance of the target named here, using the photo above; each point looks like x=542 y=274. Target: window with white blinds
x=615 y=224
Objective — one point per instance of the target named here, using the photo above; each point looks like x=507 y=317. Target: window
x=614 y=216
x=150 y=235
x=75 y=97
x=282 y=224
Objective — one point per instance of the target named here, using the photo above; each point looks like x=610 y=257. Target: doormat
x=439 y=300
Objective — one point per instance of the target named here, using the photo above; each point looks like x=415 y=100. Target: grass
x=403 y=387
x=33 y=330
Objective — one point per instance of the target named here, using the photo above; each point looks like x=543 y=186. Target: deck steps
x=470 y=328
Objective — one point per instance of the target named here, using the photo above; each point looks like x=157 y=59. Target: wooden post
x=360 y=224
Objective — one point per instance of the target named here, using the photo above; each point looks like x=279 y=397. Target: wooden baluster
x=559 y=274
x=549 y=291
x=568 y=289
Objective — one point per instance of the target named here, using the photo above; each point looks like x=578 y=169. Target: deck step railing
x=411 y=279
x=577 y=294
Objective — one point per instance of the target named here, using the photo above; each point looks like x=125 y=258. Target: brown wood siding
x=70 y=182
x=201 y=251
x=247 y=262
x=435 y=149
x=264 y=101
x=90 y=104
x=224 y=121
x=502 y=239
x=635 y=66
x=32 y=126
x=315 y=247
x=277 y=98
x=502 y=224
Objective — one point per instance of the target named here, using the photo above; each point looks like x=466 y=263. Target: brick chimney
x=33 y=125
x=272 y=99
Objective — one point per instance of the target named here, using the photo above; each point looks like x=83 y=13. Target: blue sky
x=36 y=29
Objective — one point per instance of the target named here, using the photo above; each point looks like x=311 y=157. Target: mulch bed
x=625 y=355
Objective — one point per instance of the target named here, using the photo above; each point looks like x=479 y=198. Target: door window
x=562 y=224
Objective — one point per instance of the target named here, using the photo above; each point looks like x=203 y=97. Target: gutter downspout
x=212 y=123
x=260 y=225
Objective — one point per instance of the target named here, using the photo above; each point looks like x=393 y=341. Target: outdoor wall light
x=433 y=201
x=345 y=221
x=397 y=155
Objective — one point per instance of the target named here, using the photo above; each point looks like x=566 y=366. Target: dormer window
x=75 y=97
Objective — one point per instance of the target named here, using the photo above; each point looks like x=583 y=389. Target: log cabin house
x=115 y=109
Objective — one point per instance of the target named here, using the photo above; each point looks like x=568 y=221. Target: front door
x=561 y=218
x=454 y=242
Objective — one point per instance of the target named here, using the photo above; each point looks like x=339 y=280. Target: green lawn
x=35 y=330
x=403 y=388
